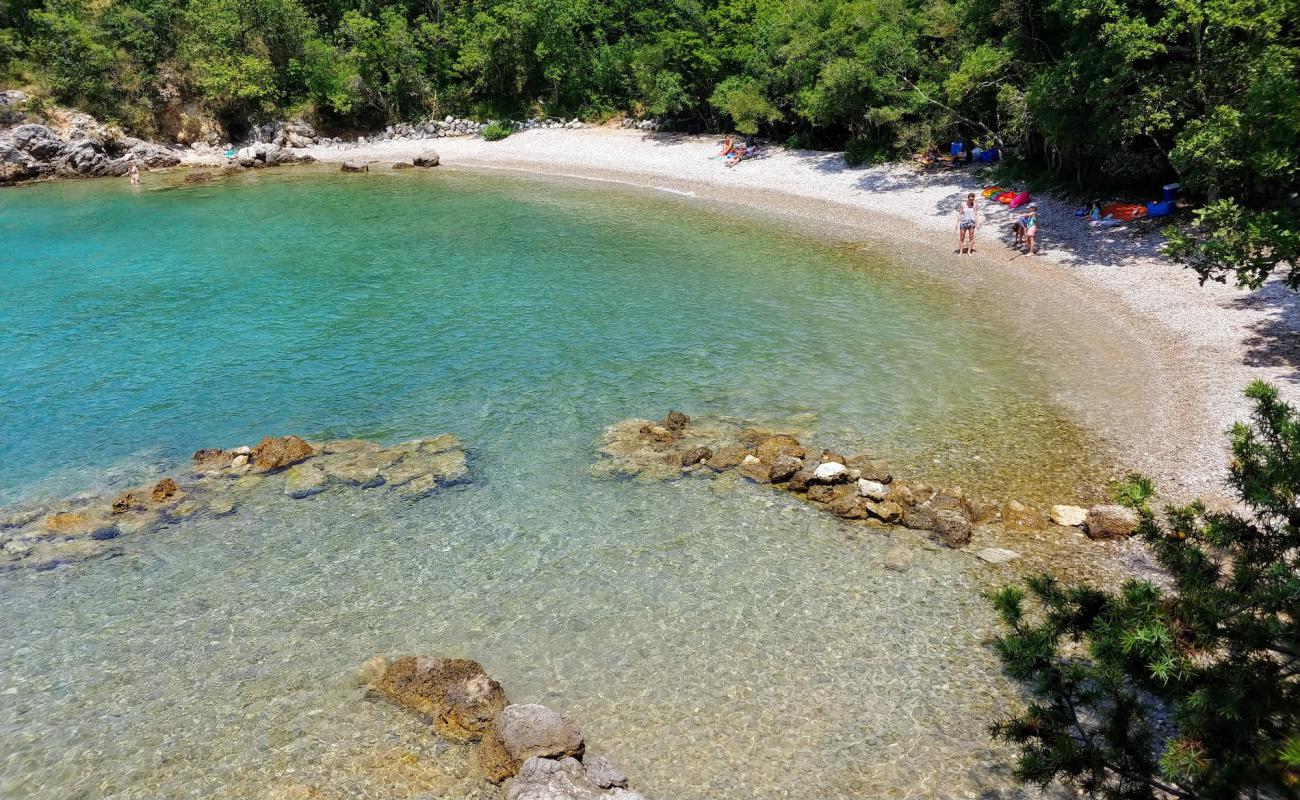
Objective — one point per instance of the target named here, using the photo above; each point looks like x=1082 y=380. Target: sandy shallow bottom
x=1208 y=342
x=714 y=638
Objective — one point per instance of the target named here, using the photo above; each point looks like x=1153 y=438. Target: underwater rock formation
x=41 y=537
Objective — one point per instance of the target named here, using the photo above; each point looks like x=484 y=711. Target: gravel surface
x=1201 y=344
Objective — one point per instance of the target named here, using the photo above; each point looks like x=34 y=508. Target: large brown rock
x=277 y=453
x=457 y=693
x=773 y=447
x=524 y=731
x=886 y=511
x=784 y=468
x=130 y=500
x=727 y=457
x=1018 y=516
x=1111 y=522
x=676 y=421
x=212 y=459
x=694 y=456
x=80 y=523
x=165 y=491
x=953 y=528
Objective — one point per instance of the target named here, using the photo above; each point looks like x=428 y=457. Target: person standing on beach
x=968 y=220
x=134 y=174
x=1031 y=227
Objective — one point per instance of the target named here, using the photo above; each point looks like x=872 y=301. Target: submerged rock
x=1111 y=522
x=562 y=779
x=81 y=523
x=457 y=693
x=772 y=447
x=355 y=166
x=997 y=555
x=211 y=460
x=727 y=457
x=953 y=528
x=784 y=467
x=1017 y=515
x=305 y=480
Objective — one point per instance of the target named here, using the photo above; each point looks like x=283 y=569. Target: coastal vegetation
x=1096 y=94
x=1190 y=690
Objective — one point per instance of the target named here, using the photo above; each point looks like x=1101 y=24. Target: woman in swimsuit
x=968 y=219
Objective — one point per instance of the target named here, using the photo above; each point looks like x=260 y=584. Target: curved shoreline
x=1197 y=347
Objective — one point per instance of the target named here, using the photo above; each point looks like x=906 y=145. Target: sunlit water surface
x=715 y=640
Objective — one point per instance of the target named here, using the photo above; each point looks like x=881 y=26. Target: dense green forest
x=1095 y=93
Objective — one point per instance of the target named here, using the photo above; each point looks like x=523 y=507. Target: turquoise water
x=715 y=640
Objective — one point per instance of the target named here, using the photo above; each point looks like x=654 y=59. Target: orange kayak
x=1124 y=212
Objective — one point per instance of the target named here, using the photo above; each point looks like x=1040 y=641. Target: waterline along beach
x=564 y=400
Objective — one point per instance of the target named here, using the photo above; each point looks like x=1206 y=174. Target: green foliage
x=497 y=131
x=864 y=150
x=1076 y=91
x=1189 y=691
x=1228 y=240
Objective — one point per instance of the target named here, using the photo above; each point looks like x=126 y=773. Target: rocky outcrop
x=355 y=166
x=277 y=453
x=429 y=158
x=527 y=731
x=538 y=753
x=460 y=697
x=39 y=537
x=859 y=487
x=32 y=151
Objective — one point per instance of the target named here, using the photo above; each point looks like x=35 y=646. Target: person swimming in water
x=133 y=174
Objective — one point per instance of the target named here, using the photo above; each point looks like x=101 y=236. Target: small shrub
x=800 y=140
x=498 y=131
x=860 y=151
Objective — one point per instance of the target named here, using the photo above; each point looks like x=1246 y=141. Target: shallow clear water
x=715 y=640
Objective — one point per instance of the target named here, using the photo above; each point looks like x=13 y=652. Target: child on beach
x=968 y=220
x=1030 y=221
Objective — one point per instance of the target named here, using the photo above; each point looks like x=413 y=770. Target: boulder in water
x=457 y=693
x=953 y=528
x=1111 y=522
x=830 y=472
x=523 y=731
x=727 y=457
x=355 y=166
x=770 y=448
x=429 y=158
x=1068 y=516
x=1017 y=515
x=304 y=480
x=277 y=453
x=784 y=467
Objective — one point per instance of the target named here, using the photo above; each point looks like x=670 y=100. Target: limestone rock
x=165 y=491
x=874 y=490
x=694 y=456
x=355 y=166
x=1110 y=522
x=772 y=447
x=849 y=506
x=784 y=468
x=458 y=694
x=727 y=457
x=429 y=158
x=899 y=558
x=562 y=779
x=821 y=493
x=754 y=469
x=523 y=731
x=886 y=511
x=831 y=472
x=953 y=527
x=304 y=480
x=358 y=469
x=832 y=457
x=676 y=421
x=997 y=555
x=1017 y=515
x=602 y=772
x=80 y=523
x=873 y=469
x=277 y=453
x=800 y=480
x=38 y=141
x=211 y=460
x=130 y=500
x=919 y=518
x=1068 y=516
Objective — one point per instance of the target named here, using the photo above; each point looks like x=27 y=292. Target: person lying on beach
x=968 y=220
